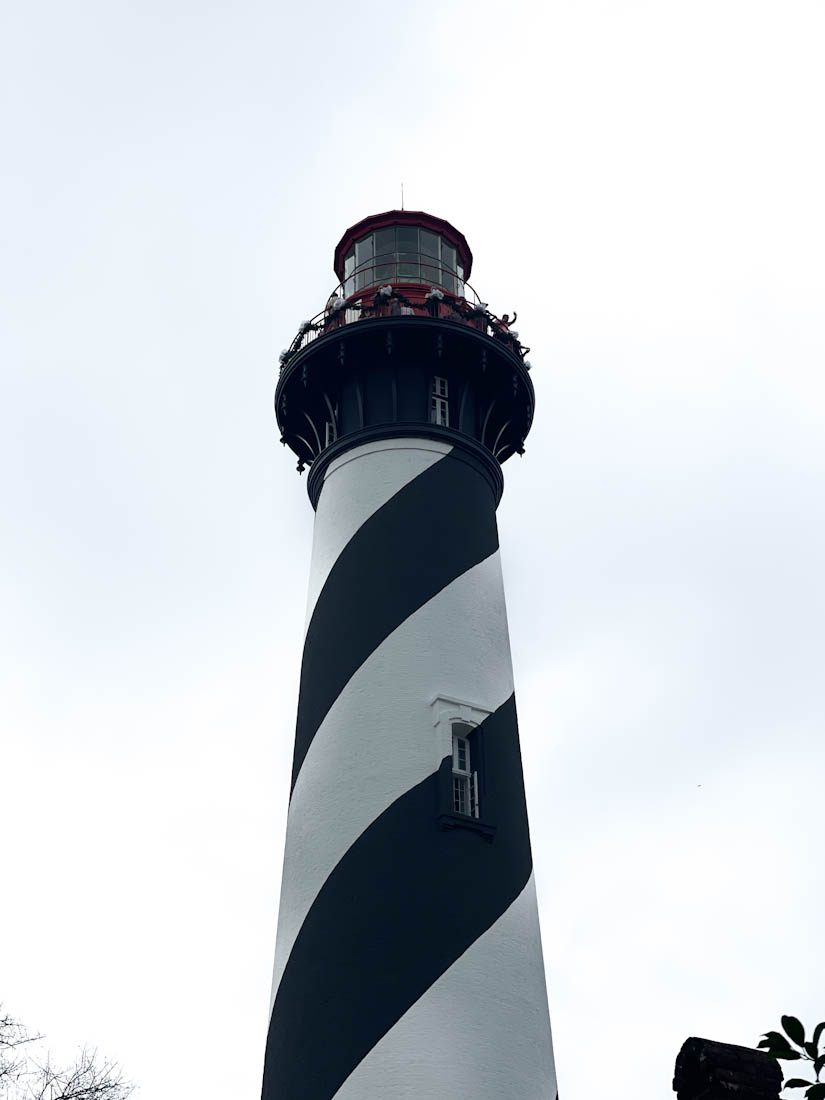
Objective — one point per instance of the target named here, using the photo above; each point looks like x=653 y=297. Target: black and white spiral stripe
x=408 y=959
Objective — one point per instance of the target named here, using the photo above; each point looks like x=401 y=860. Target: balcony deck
x=405 y=299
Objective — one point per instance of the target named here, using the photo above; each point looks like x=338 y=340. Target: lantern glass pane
x=363 y=262
x=384 y=255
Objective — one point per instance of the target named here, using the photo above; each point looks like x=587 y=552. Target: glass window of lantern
x=363 y=262
x=349 y=267
x=407 y=245
x=448 y=266
x=384 y=255
x=403 y=253
x=430 y=248
x=459 y=283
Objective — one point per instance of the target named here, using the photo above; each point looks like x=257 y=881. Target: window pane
x=406 y=244
x=447 y=266
x=429 y=243
x=349 y=267
x=407 y=238
x=438 y=412
x=363 y=261
x=384 y=255
x=363 y=250
x=459 y=796
x=429 y=247
x=408 y=266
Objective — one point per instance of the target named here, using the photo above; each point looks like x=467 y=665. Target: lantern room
x=404 y=347
x=406 y=248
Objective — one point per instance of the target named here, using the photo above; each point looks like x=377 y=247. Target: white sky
x=642 y=181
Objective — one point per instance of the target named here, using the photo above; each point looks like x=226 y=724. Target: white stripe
x=480 y=1032
x=377 y=740
x=355 y=486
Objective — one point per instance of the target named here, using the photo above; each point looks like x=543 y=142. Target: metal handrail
x=446 y=275
x=387 y=301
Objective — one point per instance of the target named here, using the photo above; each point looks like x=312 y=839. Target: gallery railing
x=406 y=296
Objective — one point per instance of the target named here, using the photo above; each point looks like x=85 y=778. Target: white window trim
x=440 y=401
x=447 y=709
x=439 y=411
x=457 y=769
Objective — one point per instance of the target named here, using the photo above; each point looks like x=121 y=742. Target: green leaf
x=818 y=1032
x=818 y=1064
x=786 y=1055
x=794 y=1029
x=811 y=1049
x=816 y=1092
x=796 y=1083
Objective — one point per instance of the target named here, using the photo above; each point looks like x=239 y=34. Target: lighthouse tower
x=408 y=961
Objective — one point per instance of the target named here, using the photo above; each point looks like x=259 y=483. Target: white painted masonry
x=480 y=1032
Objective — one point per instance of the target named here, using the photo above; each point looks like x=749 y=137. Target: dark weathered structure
x=706 y=1070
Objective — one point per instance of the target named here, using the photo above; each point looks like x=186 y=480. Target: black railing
x=404 y=298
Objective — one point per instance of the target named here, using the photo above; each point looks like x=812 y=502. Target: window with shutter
x=465 y=779
x=466 y=798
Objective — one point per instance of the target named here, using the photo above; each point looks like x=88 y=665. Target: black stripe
x=401 y=906
x=434 y=529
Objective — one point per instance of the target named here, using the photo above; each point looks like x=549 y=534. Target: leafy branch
x=779 y=1046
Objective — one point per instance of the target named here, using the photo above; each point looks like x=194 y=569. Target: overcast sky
x=643 y=182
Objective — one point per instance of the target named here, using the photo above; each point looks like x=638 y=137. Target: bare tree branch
x=13 y=1036
x=31 y=1075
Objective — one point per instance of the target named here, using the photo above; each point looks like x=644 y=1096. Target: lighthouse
x=408 y=960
